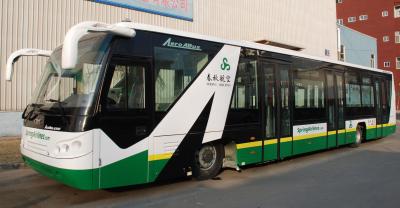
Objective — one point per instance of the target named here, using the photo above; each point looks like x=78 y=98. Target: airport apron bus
x=124 y=104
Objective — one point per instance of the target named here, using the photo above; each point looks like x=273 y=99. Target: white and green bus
x=124 y=104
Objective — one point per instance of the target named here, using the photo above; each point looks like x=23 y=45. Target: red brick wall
x=376 y=26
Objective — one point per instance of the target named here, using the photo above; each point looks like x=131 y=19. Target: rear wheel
x=208 y=161
x=359 y=136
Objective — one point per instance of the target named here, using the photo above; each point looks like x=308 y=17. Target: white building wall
x=310 y=24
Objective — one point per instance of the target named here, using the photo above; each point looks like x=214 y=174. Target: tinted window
x=245 y=94
x=127 y=88
x=339 y=82
x=353 y=91
x=367 y=92
x=331 y=101
x=309 y=89
x=244 y=104
x=309 y=93
x=285 y=107
x=269 y=96
x=175 y=69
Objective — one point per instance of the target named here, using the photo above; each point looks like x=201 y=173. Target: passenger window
x=353 y=95
x=309 y=89
x=127 y=88
x=136 y=87
x=175 y=69
x=309 y=94
x=245 y=94
x=115 y=94
x=367 y=92
x=285 y=108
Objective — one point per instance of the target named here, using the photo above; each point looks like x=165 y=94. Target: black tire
x=208 y=161
x=359 y=136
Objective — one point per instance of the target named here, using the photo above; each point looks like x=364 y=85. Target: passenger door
x=276 y=110
x=380 y=105
x=126 y=118
x=335 y=104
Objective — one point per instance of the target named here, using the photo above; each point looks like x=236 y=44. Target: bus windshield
x=73 y=89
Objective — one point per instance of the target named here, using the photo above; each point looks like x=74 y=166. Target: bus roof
x=249 y=44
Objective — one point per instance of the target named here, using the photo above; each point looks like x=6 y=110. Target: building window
x=363 y=17
x=327 y=52
x=385 y=38
x=342 y=54
x=386 y=64
x=397 y=11
x=397 y=62
x=340 y=21
x=397 y=36
x=351 y=19
x=372 y=60
x=385 y=13
x=339 y=1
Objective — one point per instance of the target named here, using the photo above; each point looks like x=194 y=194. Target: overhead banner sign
x=180 y=9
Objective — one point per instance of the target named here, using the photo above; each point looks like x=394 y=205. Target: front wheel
x=208 y=161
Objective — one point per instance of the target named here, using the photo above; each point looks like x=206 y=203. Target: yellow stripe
x=160 y=156
x=249 y=144
x=371 y=127
x=309 y=136
x=341 y=131
x=286 y=139
x=388 y=124
x=379 y=126
x=270 y=141
x=331 y=132
x=351 y=130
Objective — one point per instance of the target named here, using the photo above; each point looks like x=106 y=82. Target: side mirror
x=22 y=52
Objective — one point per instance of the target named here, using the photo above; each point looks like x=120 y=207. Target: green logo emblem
x=225 y=65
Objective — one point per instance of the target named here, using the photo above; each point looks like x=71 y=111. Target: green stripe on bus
x=250 y=155
x=129 y=171
x=309 y=145
x=155 y=168
x=270 y=152
x=81 y=179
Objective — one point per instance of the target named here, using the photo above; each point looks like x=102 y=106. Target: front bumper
x=80 y=179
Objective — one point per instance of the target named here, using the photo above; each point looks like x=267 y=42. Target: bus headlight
x=73 y=147
x=57 y=150
x=76 y=145
x=64 y=148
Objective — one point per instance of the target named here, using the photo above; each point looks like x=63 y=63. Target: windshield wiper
x=29 y=112
x=55 y=101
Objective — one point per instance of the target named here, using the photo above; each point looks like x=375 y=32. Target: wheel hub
x=207 y=157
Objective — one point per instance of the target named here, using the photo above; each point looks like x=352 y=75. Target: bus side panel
x=309 y=145
x=370 y=133
x=341 y=137
x=249 y=153
x=332 y=139
x=286 y=147
x=350 y=135
x=128 y=171
x=388 y=129
x=270 y=150
x=309 y=138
